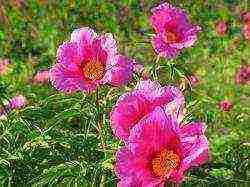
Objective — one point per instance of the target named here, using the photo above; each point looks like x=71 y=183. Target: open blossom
x=225 y=105
x=4 y=63
x=221 y=28
x=133 y=106
x=160 y=150
x=173 y=30
x=89 y=60
x=243 y=75
x=16 y=102
x=41 y=77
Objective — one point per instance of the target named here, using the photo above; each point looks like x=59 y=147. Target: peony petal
x=189 y=37
x=69 y=80
x=67 y=54
x=84 y=35
x=194 y=145
x=133 y=170
x=109 y=45
x=160 y=96
x=153 y=133
x=166 y=14
x=120 y=73
x=130 y=108
x=163 y=49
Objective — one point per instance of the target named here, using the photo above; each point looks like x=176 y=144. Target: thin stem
x=99 y=118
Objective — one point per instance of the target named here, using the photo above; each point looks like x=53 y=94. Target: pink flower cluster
x=158 y=147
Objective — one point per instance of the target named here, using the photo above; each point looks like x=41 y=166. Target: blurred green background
x=53 y=140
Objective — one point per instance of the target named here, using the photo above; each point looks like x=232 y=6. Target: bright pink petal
x=130 y=108
x=67 y=54
x=153 y=134
x=109 y=45
x=133 y=170
x=159 y=96
x=120 y=73
x=164 y=14
x=163 y=49
x=194 y=145
x=84 y=35
x=189 y=37
x=69 y=80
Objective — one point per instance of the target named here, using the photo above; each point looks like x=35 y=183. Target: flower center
x=171 y=37
x=165 y=162
x=94 y=70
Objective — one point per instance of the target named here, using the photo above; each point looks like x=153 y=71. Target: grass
x=54 y=139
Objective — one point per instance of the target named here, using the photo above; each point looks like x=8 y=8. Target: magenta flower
x=4 y=65
x=159 y=150
x=243 y=75
x=133 y=106
x=221 y=28
x=41 y=77
x=225 y=105
x=173 y=30
x=87 y=61
x=17 y=102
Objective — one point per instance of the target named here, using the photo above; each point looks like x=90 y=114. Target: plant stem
x=99 y=118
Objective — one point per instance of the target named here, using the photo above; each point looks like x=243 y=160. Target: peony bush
x=159 y=101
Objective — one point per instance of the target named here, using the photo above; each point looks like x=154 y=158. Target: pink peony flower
x=243 y=75
x=173 y=30
x=4 y=63
x=87 y=61
x=246 y=31
x=225 y=105
x=133 y=106
x=221 y=28
x=16 y=102
x=41 y=77
x=159 y=150
x=246 y=16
